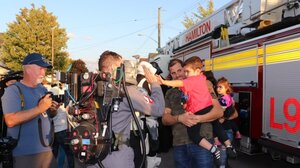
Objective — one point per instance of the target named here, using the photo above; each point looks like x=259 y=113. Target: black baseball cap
x=37 y=59
x=11 y=75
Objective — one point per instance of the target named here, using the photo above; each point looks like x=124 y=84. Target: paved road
x=259 y=161
x=243 y=161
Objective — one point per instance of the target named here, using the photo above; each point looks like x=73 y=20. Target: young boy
x=199 y=100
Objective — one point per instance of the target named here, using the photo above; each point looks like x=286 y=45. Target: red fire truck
x=256 y=45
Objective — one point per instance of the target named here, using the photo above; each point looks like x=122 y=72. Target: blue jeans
x=192 y=156
x=61 y=157
x=59 y=142
x=224 y=159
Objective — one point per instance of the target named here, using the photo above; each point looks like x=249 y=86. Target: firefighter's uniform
x=121 y=120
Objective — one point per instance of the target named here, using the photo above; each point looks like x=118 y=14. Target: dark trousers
x=59 y=141
x=3 y=127
x=229 y=124
x=165 y=137
x=219 y=131
x=194 y=131
x=135 y=143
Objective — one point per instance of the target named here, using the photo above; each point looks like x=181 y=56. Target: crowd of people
x=198 y=108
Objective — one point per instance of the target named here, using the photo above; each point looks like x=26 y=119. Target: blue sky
x=98 y=25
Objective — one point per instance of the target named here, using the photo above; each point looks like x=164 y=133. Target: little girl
x=225 y=92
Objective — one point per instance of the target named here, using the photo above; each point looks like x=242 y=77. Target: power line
x=114 y=23
x=175 y=16
x=145 y=41
x=110 y=40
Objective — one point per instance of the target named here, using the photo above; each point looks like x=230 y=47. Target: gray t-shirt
x=29 y=142
x=179 y=131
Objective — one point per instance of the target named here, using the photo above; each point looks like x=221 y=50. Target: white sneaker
x=153 y=162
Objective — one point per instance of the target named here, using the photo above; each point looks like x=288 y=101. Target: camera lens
x=57 y=98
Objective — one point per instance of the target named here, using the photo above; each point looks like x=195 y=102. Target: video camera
x=57 y=98
x=91 y=97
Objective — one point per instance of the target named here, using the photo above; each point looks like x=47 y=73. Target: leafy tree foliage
x=32 y=32
x=62 y=61
x=78 y=66
x=1 y=39
x=196 y=17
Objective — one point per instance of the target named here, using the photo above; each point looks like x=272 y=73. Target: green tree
x=189 y=21
x=78 y=66
x=1 y=39
x=32 y=32
x=62 y=61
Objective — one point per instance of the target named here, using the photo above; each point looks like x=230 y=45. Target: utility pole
x=52 y=39
x=158 y=29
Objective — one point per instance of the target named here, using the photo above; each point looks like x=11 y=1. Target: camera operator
x=24 y=106
x=10 y=78
x=154 y=105
x=6 y=143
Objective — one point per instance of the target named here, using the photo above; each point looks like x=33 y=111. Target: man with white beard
x=27 y=109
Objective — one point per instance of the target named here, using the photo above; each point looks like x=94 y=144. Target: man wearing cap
x=25 y=107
